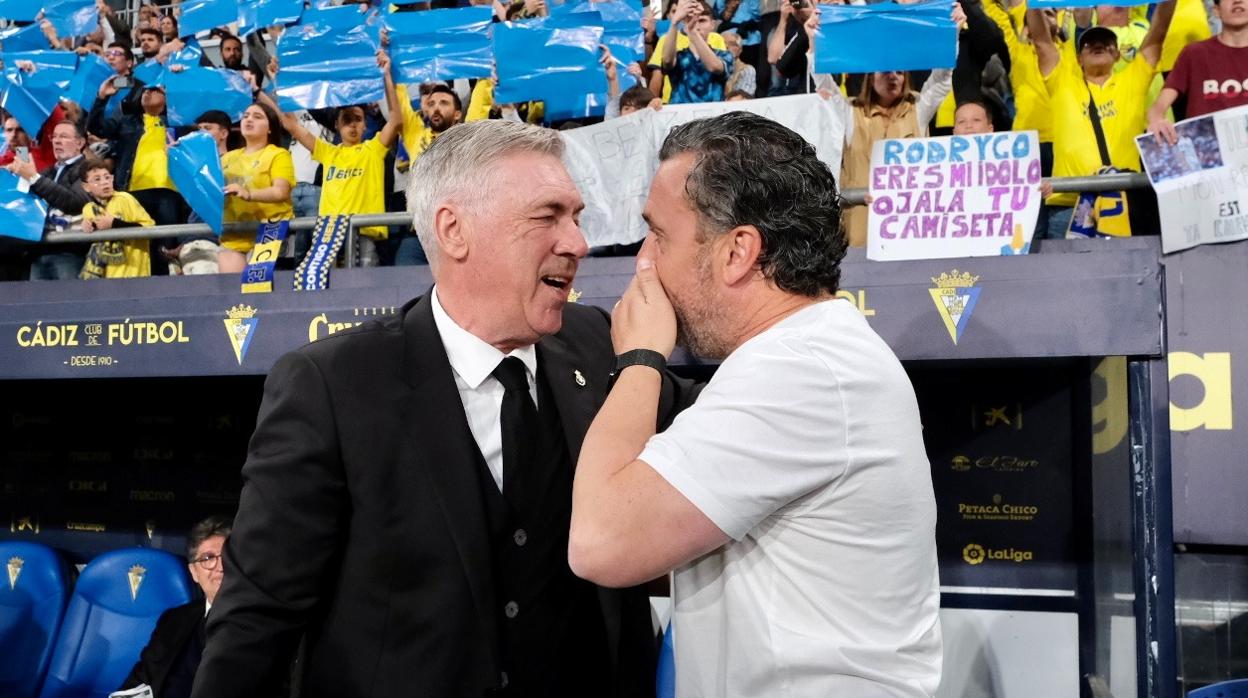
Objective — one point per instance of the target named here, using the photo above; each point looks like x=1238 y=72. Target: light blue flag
x=344 y=18
x=258 y=14
x=195 y=168
x=20 y=10
x=31 y=97
x=188 y=56
x=542 y=60
x=21 y=213
x=323 y=66
x=193 y=91
x=440 y=44
x=90 y=73
x=27 y=38
x=73 y=18
x=149 y=71
x=885 y=36
x=202 y=15
x=621 y=23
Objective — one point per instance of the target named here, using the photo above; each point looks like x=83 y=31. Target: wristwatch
x=637 y=357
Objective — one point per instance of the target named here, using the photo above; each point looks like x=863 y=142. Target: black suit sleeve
x=793 y=61
x=287 y=533
x=69 y=199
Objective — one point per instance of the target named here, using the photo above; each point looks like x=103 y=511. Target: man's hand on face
x=644 y=318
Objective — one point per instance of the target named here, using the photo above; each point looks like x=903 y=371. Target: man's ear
x=450 y=228
x=742 y=246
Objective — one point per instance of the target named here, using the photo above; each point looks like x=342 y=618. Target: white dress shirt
x=473 y=362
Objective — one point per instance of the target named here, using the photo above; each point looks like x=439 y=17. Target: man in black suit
x=169 y=661
x=61 y=186
x=406 y=503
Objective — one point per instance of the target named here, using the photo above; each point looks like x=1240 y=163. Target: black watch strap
x=639 y=357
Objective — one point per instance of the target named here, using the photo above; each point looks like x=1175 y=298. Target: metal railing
x=1106 y=182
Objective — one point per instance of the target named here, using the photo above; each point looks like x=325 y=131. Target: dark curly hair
x=751 y=170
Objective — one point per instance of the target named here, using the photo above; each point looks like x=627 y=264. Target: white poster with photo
x=1201 y=180
x=613 y=162
x=954 y=196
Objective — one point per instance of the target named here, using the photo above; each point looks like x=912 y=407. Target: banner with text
x=1200 y=179
x=614 y=161
x=955 y=196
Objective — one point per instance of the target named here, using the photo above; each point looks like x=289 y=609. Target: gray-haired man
x=408 y=487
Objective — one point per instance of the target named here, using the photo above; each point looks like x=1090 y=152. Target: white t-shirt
x=806 y=448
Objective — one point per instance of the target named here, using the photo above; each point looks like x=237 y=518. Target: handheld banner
x=537 y=61
x=31 y=97
x=148 y=72
x=90 y=73
x=71 y=18
x=955 y=196
x=193 y=91
x=27 y=38
x=21 y=213
x=20 y=10
x=203 y=15
x=258 y=275
x=258 y=14
x=195 y=168
x=1201 y=194
x=613 y=162
x=312 y=274
x=885 y=36
x=440 y=44
x=322 y=66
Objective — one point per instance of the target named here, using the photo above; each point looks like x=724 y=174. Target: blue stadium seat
x=33 y=591
x=665 y=681
x=1237 y=688
x=110 y=618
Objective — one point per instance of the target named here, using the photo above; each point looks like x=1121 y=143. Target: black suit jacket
x=173 y=631
x=361 y=527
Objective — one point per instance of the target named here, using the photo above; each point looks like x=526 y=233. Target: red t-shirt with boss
x=1212 y=75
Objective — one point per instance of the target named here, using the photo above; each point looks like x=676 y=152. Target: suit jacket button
x=503 y=680
x=520 y=537
x=512 y=609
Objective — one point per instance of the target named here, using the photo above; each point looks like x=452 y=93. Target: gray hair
x=215 y=525
x=458 y=164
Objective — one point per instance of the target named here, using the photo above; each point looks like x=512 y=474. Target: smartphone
x=121 y=82
x=23 y=153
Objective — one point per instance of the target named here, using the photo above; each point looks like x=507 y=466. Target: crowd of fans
x=1087 y=79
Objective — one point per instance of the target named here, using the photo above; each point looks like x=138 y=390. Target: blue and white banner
x=31 y=97
x=322 y=66
x=21 y=213
x=73 y=18
x=193 y=91
x=258 y=14
x=440 y=44
x=886 y=36
x=27 y=38
x=203 y=15
x=195 y=168
x=542 y=59
x=91 y=72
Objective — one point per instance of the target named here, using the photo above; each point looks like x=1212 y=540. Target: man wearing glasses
x=169 y=661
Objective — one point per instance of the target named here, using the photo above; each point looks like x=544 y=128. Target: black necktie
x=519 y=422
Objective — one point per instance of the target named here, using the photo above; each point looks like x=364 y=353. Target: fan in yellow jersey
x=440 y=109
x=355 y=170
x=113 y=259
x=1076 y=80
x=258 y=179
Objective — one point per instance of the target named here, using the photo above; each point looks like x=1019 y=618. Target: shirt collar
x=472 y=358
x=207 y=607
x=70 y=161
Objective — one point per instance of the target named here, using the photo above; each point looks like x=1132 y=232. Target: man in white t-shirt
x=794 y=499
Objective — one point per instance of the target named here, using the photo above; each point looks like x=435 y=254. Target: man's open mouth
x=555 y=281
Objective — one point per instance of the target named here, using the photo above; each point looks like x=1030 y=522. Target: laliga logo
x=974 y=554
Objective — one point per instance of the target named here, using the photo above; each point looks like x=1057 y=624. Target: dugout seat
x=110 y=618
x=33 y=591
x=1237 y=688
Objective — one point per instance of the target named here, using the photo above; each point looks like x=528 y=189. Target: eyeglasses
x=209 y=561
x=114 y=52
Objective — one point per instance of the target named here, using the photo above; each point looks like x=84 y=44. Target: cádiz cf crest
x=241 y=327
x=15 y=571
x=955 y=296
x=135 y=576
